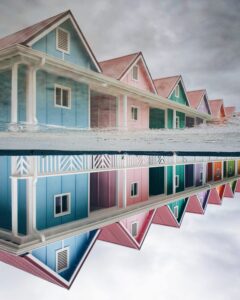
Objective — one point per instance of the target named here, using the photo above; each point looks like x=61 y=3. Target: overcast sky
x=198 y=39
x=198 y=261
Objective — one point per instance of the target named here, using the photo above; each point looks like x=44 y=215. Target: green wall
x=182 y=99
x=181 y=119
x=180 y=173
x=156 y=181
x=181 y=206
x=170 y=118
x=231 y=168
x=156 y=118
x=169 y=180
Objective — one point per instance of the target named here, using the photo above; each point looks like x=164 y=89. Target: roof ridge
x=131 y=54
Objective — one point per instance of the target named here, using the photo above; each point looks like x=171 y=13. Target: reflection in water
x=54 y=208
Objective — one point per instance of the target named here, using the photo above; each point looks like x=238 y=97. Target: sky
x=198 y=261
x=197 y=39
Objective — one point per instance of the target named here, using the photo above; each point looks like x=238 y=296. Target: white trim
x=68 y=40
x=56 y=258
x=177 y=91
x=137 y=194
x=69 y=205
x=14 y=93
x=175 y=209
x=69 y=96
x=137 y=68
x=125 y=111
x=137 y=225
x=57 y=24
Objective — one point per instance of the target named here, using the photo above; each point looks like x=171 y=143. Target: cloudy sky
x=198 y=39
x=198 y=261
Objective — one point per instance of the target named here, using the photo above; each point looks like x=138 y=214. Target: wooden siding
x=78 y=54
x=181 y=119
x=217 y=170
x=189 y=176
x=5 y=96
x=170 y=118
x=103 y=111
x=198 y=170
x=182 y=99
x=169 y=180
x=203 y=107
x=48 y=113
x=46 y=188
x=22 y=206
x=180 y=173
x=209 y=171
x=181 y=204
x=230 y=168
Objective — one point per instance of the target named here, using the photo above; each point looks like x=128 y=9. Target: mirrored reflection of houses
x=53 y=208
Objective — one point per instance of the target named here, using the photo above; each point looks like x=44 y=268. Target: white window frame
x=132 y=115
x=60 y=250
x=177 y=122
x=201 y=177
x=175 y=208
x=137 y=224
x=176 y=181
x=62 y=87
x=135 y=79
x=69 y=205
x=177 y=91
x=68 y=38
x=135 y=182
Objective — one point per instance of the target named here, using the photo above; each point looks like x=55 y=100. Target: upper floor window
x=63 y=40
x=177 y=91
x=62 y=96
x=175 y=211
x=134 y=229
x=135 y=73
x=62 y=259
x=134 y=113
x=61 y=205
x=134 y=189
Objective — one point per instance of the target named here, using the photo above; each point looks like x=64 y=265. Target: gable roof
x=229 y=110
x=118 y=67
x=118 y=234
x=196 y=97
x=228 y=193
x=215 y=106
x=214 y=197
x=194 y=205
x=237 y=187
x=32 y=265
x=27 y=35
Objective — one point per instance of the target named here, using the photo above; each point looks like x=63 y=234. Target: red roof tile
x=215 y=106
x=229 y=110
x=26 y=34
x=118 y=66
x=195 y=97
x=165 y=85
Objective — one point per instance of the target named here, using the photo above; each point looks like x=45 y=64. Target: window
x=201 y=177
x=62 y=96
x=218 y=173
x=134 y=229
x=177 y=122
x=177 y=91
x=175 y=211
x=177 y=181
x=135 y=73
x=63 y=40
x=61 y=205
x=134 y=189
x=134 y=113
x=62 y=259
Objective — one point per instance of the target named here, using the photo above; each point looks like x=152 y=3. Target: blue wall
x=5 y=192
x=5 y=96
x=22 y=206
x=78 y=54
x=22 y=84
x=77 y=185
x=77 y=248
x=47 y=113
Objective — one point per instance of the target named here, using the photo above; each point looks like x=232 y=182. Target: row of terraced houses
x=49 y=75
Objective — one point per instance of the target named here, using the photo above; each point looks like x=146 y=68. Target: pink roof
x=26 y=264
x=117 y=67
x=27 y=34
x=228 y=193
x=229 y=110
x=195 y=97
x=164 y=216
x=214 y=197
x=215 y=106
x=237 y=188
x=166 y=85
x=194 y=205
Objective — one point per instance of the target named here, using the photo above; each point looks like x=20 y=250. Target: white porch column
x=125 y=182
x=14 y=202
x=14 y=94
x=174 y=119
x=166 y=118
x=31 y=96
x=31 y=205
x=204 y=173
x=125 y=111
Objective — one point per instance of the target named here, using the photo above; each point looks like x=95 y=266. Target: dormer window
x=177 y=91
x=63 y=40
x=135 y=73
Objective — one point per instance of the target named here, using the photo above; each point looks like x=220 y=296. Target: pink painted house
x=228 y=192
x=230 y=111
x=218 y=110
x=197 y=204
x=129 y=232
x=237 y=187
x=216 y=195
x=131 y=69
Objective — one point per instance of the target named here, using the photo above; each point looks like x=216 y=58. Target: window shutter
x=63 y=40
x=62 y=260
